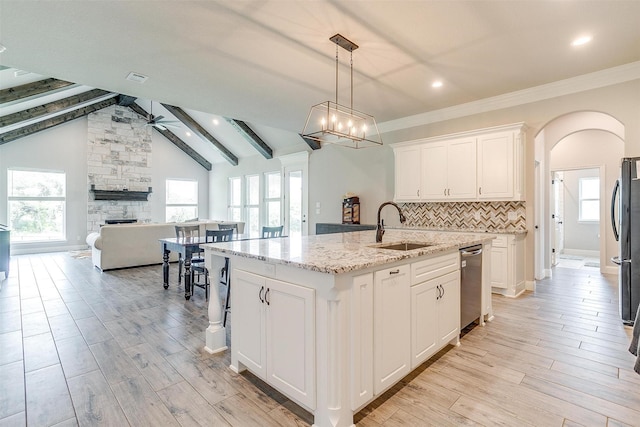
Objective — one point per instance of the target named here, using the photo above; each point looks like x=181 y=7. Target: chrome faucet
x=380 y=224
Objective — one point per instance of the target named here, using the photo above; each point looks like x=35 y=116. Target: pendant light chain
x=351 y=81
x=336 y=72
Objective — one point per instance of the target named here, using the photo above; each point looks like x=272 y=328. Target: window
x=252 y=207
x=589 y=209
x=272 y=198
x=235 y=199
x=256 y=200
x=37 y=204
x=181 y=200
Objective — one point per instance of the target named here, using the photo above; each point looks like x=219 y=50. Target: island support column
x=333 y=350
x=216 y=334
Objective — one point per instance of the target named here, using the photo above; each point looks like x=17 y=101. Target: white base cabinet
x=435 y=306
x=507 y=264
x=276 y=337
x=391 y=326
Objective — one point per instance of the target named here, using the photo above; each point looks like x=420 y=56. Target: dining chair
x=189 y=231
x=223 y=235
x=270 y=232
x=233 y=227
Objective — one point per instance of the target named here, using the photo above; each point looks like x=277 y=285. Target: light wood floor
x=82 y=347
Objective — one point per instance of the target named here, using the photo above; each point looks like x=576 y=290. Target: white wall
x=64 y=148
x=169 y=162
x=578 y=235
x=368 y=173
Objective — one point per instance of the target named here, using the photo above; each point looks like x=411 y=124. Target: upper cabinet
x=408 y=175
x=485 y=164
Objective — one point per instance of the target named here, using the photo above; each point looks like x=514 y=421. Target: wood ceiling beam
x=55 y=121
x=32 y=89
x=315 y=145
x=51 y=107
x=201 y=132
x=174 y=139
x=253 y=139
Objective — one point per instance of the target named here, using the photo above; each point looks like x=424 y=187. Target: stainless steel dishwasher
x=470 y=284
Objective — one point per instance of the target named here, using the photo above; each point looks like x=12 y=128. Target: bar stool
x=214 y=236
x=270 y=232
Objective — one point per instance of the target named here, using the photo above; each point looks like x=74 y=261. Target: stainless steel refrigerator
x=625 y=207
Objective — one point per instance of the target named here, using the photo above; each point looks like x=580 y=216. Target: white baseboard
x=547 y=272
x=41 y=250
x=581 y=252
x=530 y=285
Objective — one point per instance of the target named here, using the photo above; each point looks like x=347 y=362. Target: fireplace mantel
x=141 y=196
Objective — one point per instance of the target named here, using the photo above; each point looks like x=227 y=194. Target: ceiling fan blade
x=158 y=118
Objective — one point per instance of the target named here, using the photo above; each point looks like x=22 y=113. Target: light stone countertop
x=344 y=252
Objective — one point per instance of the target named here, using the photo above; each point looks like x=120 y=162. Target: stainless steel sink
x=407 y=246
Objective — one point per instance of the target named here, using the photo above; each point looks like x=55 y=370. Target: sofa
x=137 y=244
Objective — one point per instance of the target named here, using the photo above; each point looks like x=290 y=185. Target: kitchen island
x=333 y=321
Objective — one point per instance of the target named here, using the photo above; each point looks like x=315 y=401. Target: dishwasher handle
x=470 y=253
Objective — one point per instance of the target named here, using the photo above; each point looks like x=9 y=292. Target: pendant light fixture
x=332 y=123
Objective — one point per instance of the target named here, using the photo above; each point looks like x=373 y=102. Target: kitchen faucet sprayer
x=380 y=223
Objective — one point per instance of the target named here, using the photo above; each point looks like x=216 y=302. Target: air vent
x=137 y=77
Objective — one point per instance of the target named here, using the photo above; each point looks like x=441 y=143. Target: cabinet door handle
x=266 y=295
x=260 y=294
x=438 y=288
x=442 y=287
x=394 y=271
x=480 y=190
x=445 y=191
x=418 y=192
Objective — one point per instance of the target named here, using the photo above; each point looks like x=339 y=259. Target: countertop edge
x=370 y=256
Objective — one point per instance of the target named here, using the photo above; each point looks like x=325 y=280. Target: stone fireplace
x=118 y=158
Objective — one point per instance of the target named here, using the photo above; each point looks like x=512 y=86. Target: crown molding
x=595 y=80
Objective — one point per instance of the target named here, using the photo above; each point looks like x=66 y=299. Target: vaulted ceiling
x=265 y=62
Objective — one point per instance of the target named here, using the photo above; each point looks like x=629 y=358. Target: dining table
x=186 y=247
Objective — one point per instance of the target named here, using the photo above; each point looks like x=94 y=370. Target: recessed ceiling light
x=437 y=83
x=215 y=122
x=188 y=133
x=581 y=40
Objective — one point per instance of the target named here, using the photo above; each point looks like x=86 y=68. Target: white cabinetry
x=391 y=326
x=435 y=306
x=484 y=164
x=496 y=163
x=407 y=161
x=276 y=337
x=449 y=170
x=507 y=264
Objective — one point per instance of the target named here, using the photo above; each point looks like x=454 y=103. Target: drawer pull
x=394 y=271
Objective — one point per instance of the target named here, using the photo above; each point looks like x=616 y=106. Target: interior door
x=558 y=215
x=296 y=185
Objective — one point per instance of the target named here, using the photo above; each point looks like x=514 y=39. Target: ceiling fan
x=158 y=122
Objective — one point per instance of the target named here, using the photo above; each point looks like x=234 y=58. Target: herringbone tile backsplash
x=490 y=216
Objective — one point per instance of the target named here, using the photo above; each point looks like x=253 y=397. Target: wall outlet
x=512 y=216
x=477 y=216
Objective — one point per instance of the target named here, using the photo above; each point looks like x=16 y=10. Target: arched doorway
x=602 y=137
